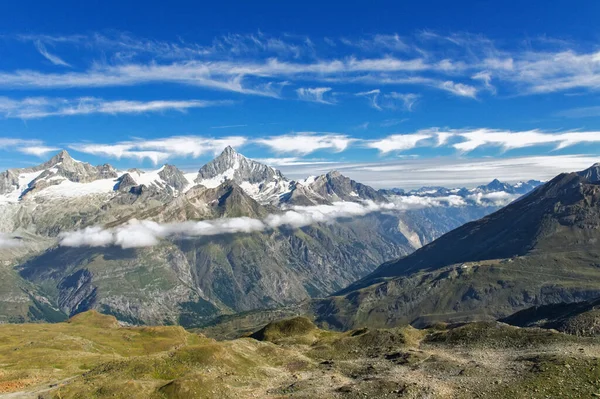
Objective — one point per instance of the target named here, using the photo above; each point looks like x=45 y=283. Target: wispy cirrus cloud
x=314 y=94
x=464 y=65
x=56 y=60
x=390 y=101
x=42 y=107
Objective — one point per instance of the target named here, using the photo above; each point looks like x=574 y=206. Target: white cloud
x=390 y=101
x=158 y=150
x=373 y=96
x=301 y=216
x=8 y=142
x=398 y=142
x=41 y=107
x=486 y=78
x=94 y=236
x=121 y=151
x=7 y=241
x=508 y=140
x=315 y=94
x=147 y=233
x=413 y=202
x=260 y=64
x=499 y=198
x=50 y=57
x=306 y=142
x=467 y=140
x=38 y=150
x=408 y=99
x=459 y=89
x=26 y=146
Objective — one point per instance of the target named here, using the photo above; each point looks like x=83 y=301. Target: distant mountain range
x=166 y=246
x=541 y=249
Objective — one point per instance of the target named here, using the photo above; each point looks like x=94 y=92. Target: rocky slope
x=539 y=250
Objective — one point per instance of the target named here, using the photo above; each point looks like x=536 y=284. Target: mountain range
x=166 y=246
x=539 y=250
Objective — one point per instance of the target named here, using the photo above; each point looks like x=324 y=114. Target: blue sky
x=391 y=94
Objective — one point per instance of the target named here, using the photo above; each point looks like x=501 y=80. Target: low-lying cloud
x=7 y=241
x=146 y=233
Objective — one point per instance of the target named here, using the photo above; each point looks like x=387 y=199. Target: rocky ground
x=92 y=356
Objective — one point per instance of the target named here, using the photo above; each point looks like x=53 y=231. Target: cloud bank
x=7 y=241
x=146 y=233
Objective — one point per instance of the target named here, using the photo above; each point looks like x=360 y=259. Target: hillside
x=538 y=250
x=91 y=355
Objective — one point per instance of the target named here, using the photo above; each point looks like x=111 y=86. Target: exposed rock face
x=231 y=165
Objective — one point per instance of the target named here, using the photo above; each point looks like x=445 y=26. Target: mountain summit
x=231 y=165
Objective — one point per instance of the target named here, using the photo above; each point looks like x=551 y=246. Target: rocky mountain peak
x=333 y=174
x=495 y=185
x=229 y=150
x=63 y=157
x=173 y=177
x=335 y=187
x=231 y=165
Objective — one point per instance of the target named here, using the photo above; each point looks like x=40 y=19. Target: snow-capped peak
x=231 y=165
